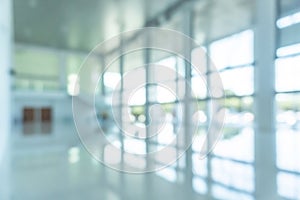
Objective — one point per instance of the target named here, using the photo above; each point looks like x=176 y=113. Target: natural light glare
x=199 y=117
x=73 y=85
x=234 y=50
x=287 y=74
x=111 y=79
x=288 y=185
x=199 y=87
x=137 y=97
x=168 y=173
x=238 y=81
x=288 y=50
x=74 y=155
x=164 y=95
x=166 y=135
x=288 y=20
x=134 y=146
x=199 y=185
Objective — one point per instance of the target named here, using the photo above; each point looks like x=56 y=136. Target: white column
x=5 y=64
x=187 y=29
x=265 y=140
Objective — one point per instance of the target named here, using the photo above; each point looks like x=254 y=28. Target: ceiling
x=81 y=25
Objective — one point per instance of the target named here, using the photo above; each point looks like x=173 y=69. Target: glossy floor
x=52 y=167
x=56 y=166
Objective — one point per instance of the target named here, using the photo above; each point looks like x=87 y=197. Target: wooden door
x=46 y=115
x=28 y=120
x=28 y=115
x=46 y=120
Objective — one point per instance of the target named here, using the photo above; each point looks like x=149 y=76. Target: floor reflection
x=57 y=166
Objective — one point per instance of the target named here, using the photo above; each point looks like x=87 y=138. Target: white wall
x=60 y=103
x=5 y=63
x=63 y=132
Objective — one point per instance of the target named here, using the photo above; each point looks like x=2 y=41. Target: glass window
x=288 y=50
x=231 y=170
x=243 y=140
x=238 y=81
x=233 y=51
x=287 y=74
x=111 y=81
x=36 y=70
x=287 y=102
x=199 y=87
x=288 y=20
x=288 y=185
x=171 y=74
x=288 y=131
x=36 y=63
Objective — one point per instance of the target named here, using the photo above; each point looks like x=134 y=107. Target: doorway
x=46 y=120
x=37 y=120
x=28 y=120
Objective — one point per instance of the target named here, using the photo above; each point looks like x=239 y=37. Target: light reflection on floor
x=59 y=174
x=58 y=167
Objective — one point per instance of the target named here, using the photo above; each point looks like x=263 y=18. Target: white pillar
x=5 y=64
x=265 y=140
x=187 y=29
